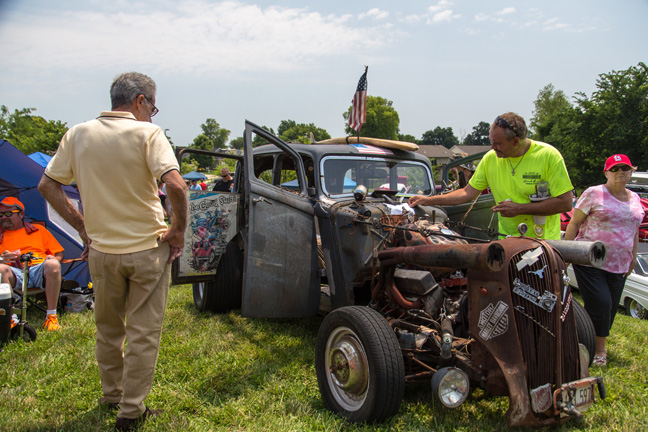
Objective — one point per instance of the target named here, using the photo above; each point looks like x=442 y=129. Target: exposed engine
x=465 y=310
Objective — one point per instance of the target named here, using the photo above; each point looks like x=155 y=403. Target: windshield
x=341 y=175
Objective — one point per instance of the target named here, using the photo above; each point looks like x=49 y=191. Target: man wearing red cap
x=19 y=237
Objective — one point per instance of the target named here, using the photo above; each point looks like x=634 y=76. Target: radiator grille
x=536 y=325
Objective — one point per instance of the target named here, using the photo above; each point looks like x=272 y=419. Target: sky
x=442 y=63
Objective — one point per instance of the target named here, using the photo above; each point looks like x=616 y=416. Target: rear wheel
x=585 y=330
x=359 y=365
x=223 y=293
x=635 y=309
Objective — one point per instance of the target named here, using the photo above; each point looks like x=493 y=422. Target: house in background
x=469 y=149
x=438 y=154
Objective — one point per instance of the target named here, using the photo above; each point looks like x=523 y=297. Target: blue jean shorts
x=35 y=276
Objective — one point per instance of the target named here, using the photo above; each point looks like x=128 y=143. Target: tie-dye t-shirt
x=612 y=222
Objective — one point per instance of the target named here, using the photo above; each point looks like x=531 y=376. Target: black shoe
x=109 y=405
x=126 y=424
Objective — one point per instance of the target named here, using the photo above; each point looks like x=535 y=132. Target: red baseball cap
x=617 y=159
x=13 y=202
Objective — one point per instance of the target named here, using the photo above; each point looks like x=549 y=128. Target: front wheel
x=635 y=309
x=359 y=365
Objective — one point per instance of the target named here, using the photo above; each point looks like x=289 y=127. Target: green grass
x=228 y=373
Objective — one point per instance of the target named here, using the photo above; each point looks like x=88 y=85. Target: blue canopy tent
x=193 y=175
x=19 y=177
x=41 y=159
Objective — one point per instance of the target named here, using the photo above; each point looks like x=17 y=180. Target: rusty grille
x=537 y=327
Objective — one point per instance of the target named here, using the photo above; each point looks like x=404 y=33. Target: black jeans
x=601 y=291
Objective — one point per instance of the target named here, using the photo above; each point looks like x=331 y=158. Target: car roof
x=318 y=151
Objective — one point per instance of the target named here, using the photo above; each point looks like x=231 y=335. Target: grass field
x=227 y=373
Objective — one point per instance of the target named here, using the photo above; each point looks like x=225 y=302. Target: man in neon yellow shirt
x=512 y=169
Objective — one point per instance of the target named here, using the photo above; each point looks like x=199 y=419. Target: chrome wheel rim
x=636 y=309
x=347 y=368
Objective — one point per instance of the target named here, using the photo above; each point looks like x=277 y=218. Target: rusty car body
x=414 y=295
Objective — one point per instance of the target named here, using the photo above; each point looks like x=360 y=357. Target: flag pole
x=367 y=84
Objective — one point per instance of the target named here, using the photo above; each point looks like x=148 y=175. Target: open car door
x=281 y=265
x=212 y=223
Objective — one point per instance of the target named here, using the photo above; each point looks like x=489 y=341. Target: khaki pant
x=130 y=298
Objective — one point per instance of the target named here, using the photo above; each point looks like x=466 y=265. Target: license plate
x=576 y=394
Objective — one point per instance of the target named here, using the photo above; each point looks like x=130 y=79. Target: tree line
x=586 y=129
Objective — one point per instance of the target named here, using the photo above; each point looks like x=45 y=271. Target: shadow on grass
x=250 y=354
x=282 y=346
x=97 y=418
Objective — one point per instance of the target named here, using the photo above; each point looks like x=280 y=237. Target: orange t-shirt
x=40 y=242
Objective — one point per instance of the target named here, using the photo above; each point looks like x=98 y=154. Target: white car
x=635 y=293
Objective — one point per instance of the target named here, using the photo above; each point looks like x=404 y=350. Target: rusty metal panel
x=281 y=276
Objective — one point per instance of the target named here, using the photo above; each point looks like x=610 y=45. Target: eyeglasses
x=155 y=110
x=620 y=167
x=499 y=121
x=8 y=213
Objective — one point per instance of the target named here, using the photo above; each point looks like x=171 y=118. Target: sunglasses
x=620 y=167
x=155 y=110
x=499 y=121
x=9 y=213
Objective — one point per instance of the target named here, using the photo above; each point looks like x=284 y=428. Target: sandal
x=600 y=361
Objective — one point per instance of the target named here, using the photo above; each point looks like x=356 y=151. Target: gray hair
x=127 y=86
x=517 y=123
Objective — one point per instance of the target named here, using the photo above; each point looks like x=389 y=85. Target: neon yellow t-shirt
x=541 y=162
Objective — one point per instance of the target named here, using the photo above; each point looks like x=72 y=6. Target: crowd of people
x=129 y=246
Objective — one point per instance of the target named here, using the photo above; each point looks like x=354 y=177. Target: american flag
x=358 y=107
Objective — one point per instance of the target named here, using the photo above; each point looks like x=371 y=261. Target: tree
x=236 y=143
x=408 y=138
x=439 y=136
x=203 y=143
x=290 y=131
x=479 y=135
x=382 y=119
x=613 y=120
x=214 y=133
x=549 y=105
x=257 y=140
x=213 y=137
x=30 y=133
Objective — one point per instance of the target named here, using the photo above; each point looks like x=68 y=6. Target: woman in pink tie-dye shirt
x=609 y=213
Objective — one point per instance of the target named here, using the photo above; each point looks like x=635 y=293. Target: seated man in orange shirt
x=19 y=237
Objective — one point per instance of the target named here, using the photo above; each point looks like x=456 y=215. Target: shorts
x=35 y=276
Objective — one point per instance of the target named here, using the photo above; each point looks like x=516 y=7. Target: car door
x=281 y=266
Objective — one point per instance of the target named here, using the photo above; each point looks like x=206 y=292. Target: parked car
x=639 y=183
x=635 y=292
x=409 y=295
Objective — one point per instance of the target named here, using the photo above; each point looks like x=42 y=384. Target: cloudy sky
x=442 y=63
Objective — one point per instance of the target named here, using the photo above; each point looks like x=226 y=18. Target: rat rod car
x=409 y=294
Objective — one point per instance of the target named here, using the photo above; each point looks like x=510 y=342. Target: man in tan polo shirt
x=116 y=160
